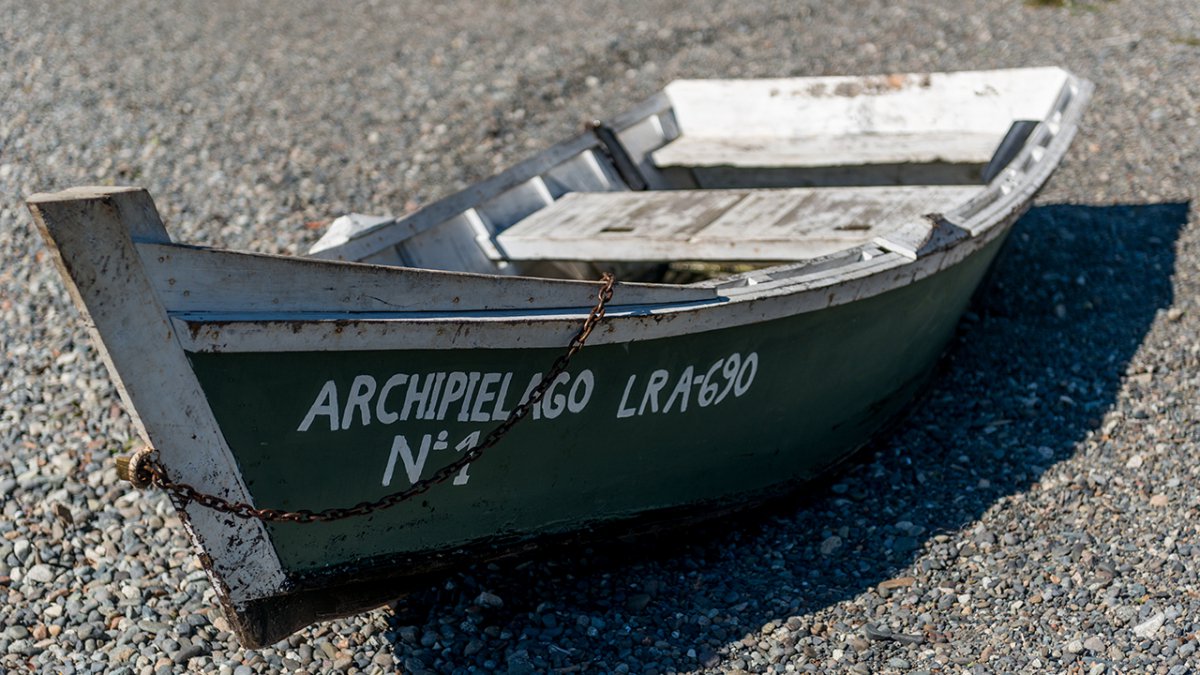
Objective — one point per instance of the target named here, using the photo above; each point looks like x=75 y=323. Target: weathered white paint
x=917 y=236
x=91 y=232
x=984 y=102
x=190 y=279
x=642 y=130
x=949 y=147
x=347 y=227
x=727 y=225
x=551 y=328
x=894 y=129
x=558 y=166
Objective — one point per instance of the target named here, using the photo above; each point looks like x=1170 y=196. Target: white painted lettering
x=468 y=442
x=326 y=404
x=442 y=440
x=553 y=404
x=464 y=412
x=456 y=386
x=412 y=465
x=622 y=411
x=682 y=390
x=499 y=413
x=431 y=409
x=581 y=391
x=694 y=386
x=463 y=476
x=658 y=380
x=484 y=397
x=416 y=395
x=708 y=388
x=382 y=414
x=729 y=371
x=465 y=444
x=533 y=383
x=745 y=376
x=361 y=391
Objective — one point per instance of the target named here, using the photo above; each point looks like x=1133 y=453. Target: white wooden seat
x=871 y=158
x=722 y=225
x=932 y=129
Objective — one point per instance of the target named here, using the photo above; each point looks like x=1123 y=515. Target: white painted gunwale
x=193 y=279
x=887 y=263
x=205 y=332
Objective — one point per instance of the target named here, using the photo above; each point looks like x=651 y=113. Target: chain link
x=151 y=472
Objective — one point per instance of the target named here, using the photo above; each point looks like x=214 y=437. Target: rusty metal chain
x=143 y=469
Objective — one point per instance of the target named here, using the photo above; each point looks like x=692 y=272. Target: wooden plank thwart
x=722 y=225
x=968 y=148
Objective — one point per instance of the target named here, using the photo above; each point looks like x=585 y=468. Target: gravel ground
x=1036 y=514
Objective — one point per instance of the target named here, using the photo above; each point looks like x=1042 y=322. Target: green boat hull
x=637 y=429
x=334 y=380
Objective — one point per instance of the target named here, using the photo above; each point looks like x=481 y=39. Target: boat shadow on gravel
x=1034 y=368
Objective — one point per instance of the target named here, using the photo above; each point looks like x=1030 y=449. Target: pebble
x=40 y=573
x=1047 y=476
x=486 y=599
x=885 y=634
x=637 y=602
x=1150 y=627
x=188 y=653
x=892 y=584
x=830 y=545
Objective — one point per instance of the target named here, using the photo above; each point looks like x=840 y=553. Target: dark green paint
x=826 y=381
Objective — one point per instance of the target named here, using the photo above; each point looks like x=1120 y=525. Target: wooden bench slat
x=721 y=225
x=823 y=151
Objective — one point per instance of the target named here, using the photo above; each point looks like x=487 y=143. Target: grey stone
x=43 y=574
x=1150 y=627
x=637 y=602
x=190 y=652
x=830 y=545
x=486 y=599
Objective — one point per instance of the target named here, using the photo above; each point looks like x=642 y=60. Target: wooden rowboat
x=793 y=256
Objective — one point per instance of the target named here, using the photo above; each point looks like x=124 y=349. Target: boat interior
x=713 y=178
